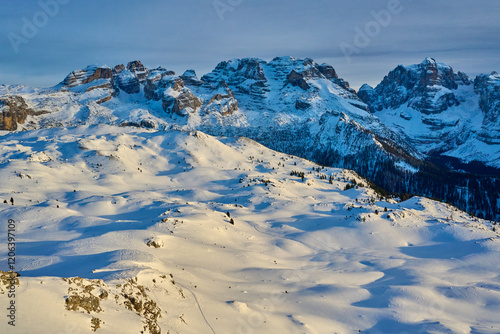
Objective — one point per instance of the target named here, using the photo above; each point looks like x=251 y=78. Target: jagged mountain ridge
x=440 y=112
x=293 y=105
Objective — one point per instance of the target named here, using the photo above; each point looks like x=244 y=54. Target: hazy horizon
x=42 y=41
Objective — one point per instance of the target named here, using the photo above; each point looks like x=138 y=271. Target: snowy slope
x=303 y=255
x=424 y=130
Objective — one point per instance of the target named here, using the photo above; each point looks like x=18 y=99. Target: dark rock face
x=462 y=78
x=147 y=124
x=302 y=104
x=246 y=76
x=186 y=100
x=430 y=75
x=139 y=70
x=488 y=89
x=298 y=79
x=127 y=81
x=89 y=74
x=427 y=87
x=152 y=84
x=427 y=103
x=13 y=110
x=328 y=71
x=368 y=95
x=158 y=81
x=190 y=79
x=179 y=104
x=118 y=69
x=99 y=73
x=130 y=78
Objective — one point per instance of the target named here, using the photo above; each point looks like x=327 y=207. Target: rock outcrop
x=121 y=78
x=130 y=78
x=139 y=70
x=244 y=76
x=488 y=89
x=181 y=104
x=190 y=79
x=13 y=111
x=126 y=80
x=223 y=101
x=87 y=75
x=158 y=81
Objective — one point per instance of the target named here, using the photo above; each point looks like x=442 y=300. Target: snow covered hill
x=424 y=130
x=127 y=229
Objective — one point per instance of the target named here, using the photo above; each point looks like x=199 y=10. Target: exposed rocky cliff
x=13 y=111
x=428 y=87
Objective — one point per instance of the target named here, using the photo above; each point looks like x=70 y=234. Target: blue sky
x=376 y=35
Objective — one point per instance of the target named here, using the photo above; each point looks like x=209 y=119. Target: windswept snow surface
x=303 y=256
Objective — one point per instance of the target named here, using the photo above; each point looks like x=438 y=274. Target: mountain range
x=423 y=130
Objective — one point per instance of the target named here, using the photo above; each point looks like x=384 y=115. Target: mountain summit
x=428 y=87
x=442 y=113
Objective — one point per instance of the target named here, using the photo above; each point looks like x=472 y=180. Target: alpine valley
x=262 y=197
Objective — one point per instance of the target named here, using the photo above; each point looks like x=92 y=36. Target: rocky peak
x=328 y=71
x=367 y=94
x=130 y=78
x=136 y=66
x=428 y=87
x=127 y=78
x=243 y=75
x=139 y=70
x=189 y=77
x=88 y=74
x=432 y=74
x=118 y=69
x=158 y=81
x=298 y=71
x=236 y=71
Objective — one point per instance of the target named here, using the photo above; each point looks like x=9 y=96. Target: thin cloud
x=195 y=34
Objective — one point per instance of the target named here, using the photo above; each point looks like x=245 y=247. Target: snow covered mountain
x=440 y=112
x=405 y=135
x=134 y=230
